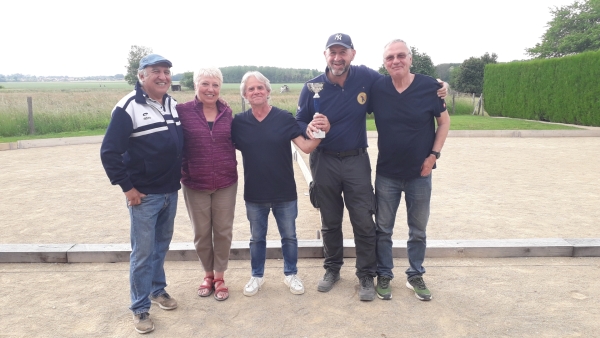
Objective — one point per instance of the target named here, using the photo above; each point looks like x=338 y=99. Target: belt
x=342 y=154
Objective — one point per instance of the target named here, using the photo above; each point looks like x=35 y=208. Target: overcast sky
x=81 y=38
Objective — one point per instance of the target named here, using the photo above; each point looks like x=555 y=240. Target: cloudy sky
x=81 y=38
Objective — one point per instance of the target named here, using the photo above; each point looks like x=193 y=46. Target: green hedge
x=564 y=90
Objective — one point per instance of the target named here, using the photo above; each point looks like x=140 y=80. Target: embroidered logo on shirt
x=362 y=98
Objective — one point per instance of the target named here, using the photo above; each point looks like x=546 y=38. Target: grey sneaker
x=367 y=289
x=417 y=284
x=143 y=323
x=164 y=301
x=384 y=290
x=328 y=280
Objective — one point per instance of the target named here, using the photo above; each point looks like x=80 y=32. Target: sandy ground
x=517 y=297
x=484 y=188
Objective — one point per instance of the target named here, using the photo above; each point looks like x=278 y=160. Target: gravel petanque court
x=484 y=188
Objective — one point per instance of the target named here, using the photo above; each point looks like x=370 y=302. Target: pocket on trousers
x=312 y=193
x=373 y=208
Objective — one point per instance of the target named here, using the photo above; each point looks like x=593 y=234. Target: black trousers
x=346 y=180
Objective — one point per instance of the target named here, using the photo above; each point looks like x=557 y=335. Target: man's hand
x=427 y=165
x=319 y=122
x=134 y=197
x=443 y=92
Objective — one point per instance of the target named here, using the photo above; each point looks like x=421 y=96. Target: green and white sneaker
x=384 y=290
x=417 y=284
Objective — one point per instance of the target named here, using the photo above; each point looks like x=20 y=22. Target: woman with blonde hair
x=209 y=178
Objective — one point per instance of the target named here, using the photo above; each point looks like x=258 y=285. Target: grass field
x=60 y=108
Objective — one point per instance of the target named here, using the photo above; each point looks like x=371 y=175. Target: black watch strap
x=437 y=154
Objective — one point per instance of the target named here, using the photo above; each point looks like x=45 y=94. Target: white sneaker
x=253 y=286
x=295 y=284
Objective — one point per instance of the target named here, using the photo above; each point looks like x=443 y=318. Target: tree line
x=573 y=29
x=234 y=74
x=231 y=74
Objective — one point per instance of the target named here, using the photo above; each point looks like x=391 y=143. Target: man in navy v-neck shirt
x=406 y=108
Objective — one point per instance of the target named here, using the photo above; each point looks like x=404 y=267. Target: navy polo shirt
x=345 y=107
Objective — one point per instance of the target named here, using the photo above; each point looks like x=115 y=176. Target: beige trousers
x=211 y=213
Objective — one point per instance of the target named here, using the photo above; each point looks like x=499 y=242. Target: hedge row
x=564 y=90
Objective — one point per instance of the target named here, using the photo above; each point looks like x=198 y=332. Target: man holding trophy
x=340 y=164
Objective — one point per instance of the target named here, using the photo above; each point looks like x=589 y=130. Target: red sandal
x=221 y=288
x=206 y=285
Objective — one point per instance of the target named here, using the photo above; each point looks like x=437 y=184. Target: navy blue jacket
x=143 y=144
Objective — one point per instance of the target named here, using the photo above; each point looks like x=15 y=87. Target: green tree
x=444 y=70
x=453 y=77
x=382 y=70
x=421 y=64
x=573 y=29
x=187 y=80
x=469 y=79
x=136 y=53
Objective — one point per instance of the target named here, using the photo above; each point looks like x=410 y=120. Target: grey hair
x=259 y=77
x=140 y=72
x=398 y=40
x=208 y=72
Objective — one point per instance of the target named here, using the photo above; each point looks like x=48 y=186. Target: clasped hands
x=318 y=123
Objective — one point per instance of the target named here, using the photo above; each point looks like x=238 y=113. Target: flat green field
x=80 y=85
x=63 y=109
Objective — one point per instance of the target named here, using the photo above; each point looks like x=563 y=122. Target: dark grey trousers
x=346 y=180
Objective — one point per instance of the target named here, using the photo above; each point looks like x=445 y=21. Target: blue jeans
x=285 y=215
x=151 y=232
x=388 y=192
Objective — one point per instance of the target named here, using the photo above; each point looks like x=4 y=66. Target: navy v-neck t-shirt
x=405 y=124
x=267 y=155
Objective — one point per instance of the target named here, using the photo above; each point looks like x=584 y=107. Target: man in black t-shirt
x=263 y=134
x=406 y=108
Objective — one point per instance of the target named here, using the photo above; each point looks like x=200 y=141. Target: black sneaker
x=328 y=280
x=417 y=284
x=367 y=289
x=384 y=290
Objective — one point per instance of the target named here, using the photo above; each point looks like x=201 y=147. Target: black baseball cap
x=340 y=39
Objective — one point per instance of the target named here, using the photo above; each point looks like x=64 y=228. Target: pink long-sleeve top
x=208 y=155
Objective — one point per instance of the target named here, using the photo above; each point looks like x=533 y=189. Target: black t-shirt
x=267 y=155
x=405 y=124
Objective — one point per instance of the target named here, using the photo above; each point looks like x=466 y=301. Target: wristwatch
x=437 y=154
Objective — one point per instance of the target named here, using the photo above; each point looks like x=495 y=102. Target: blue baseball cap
x=340 y=39
x=153 y=59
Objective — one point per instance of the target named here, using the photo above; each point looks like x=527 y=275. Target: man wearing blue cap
x=141 y=152
x=340 y=166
